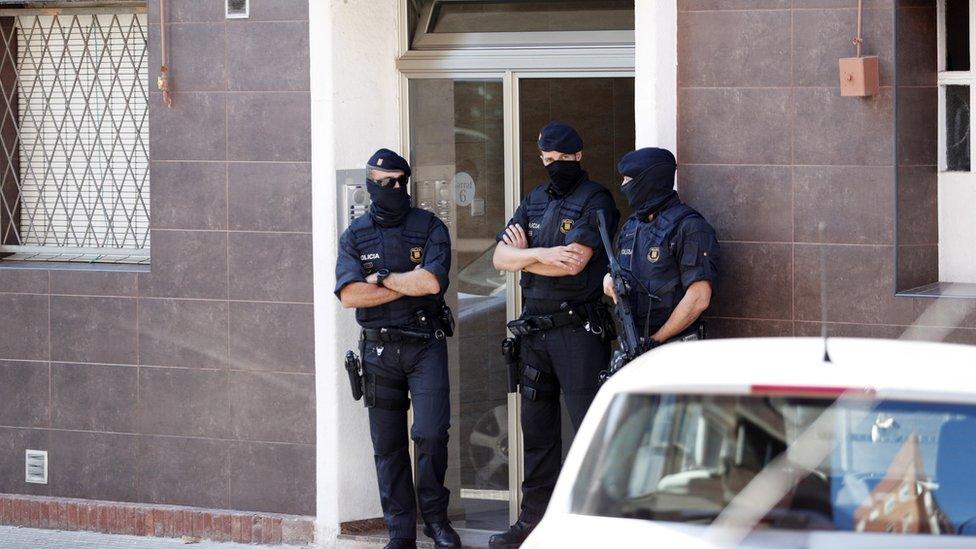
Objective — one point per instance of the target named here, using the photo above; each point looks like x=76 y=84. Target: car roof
x=887 y=368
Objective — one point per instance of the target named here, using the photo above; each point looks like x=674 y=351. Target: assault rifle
x=630 y=343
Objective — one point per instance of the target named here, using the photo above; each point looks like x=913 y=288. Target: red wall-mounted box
x=859 y=76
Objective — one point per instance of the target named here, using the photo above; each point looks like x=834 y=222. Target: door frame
x=513 y=197
x=513 y=185
x=510 y=65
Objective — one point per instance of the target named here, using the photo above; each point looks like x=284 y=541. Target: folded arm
x=583 y=239
x=514 y=254
x=357 y=295
x=416 y=283
x=583 y=254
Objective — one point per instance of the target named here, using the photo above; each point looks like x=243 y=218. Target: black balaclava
x=390 y=206
x=563 y=176
x=653 y=187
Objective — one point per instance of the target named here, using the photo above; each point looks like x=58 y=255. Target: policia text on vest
x=393 y=267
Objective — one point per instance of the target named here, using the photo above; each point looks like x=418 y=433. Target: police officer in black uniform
x=554 y=241
x=667 y=250
x=393 y=268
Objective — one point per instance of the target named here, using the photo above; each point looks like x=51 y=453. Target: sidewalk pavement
x=13 y=537
x=376 y=539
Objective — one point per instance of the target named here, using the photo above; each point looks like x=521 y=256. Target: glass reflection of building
x=904 y=501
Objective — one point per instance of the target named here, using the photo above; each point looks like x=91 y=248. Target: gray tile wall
x=191 y=384
x=767 y=149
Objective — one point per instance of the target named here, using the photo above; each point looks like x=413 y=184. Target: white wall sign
x=463 y=189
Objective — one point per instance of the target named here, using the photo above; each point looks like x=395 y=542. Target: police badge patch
x=566 y=225
x=654 y=254
x=416 y=254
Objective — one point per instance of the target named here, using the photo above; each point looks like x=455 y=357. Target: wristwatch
x=381 y=276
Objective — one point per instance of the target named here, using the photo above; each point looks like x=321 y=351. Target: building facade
x=188 y=381
x=207 y=379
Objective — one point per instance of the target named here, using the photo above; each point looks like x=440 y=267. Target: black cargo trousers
x=421 y=370
x=568 y=360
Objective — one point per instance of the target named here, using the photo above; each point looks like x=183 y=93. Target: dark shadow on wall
x=916 y=146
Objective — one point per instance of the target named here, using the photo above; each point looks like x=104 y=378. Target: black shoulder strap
x=418 y=221
x=537 y=198
x=363 y=229
x=673 y=217
x=580 y=196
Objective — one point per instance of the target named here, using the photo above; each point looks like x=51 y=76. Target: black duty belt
x=530 y=324
x=386 y=335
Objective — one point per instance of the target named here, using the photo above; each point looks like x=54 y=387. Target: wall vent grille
x=236 y=9
x=36 y=466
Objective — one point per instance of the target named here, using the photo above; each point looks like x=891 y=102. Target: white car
x=763 y=443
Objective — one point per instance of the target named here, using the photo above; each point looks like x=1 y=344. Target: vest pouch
x=446 y=319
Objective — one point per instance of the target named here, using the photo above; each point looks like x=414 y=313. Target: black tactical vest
x=550 y=219
x=399 y=249
x=647 y=253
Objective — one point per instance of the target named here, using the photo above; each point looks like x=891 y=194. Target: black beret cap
x=388 y=161
x=556 y=136
x=636 y=162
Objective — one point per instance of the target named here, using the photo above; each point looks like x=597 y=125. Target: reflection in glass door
x=457 y=155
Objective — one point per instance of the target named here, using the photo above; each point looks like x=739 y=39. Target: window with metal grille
x=956 y=20
x=74 y=131
x=957 y=84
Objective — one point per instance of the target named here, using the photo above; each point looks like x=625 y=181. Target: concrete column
x=656 y=73
x=355 y=110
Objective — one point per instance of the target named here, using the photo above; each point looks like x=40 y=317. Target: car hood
x=568 y=530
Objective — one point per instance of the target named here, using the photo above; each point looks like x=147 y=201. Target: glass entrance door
x=457 y=152
x=472 y=147
x=601 y=109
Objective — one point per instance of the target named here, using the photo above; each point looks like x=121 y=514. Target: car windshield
x=889 y=466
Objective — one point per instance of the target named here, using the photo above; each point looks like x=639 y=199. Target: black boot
x=513 y=537
x=443 y=534
x=401 y=543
